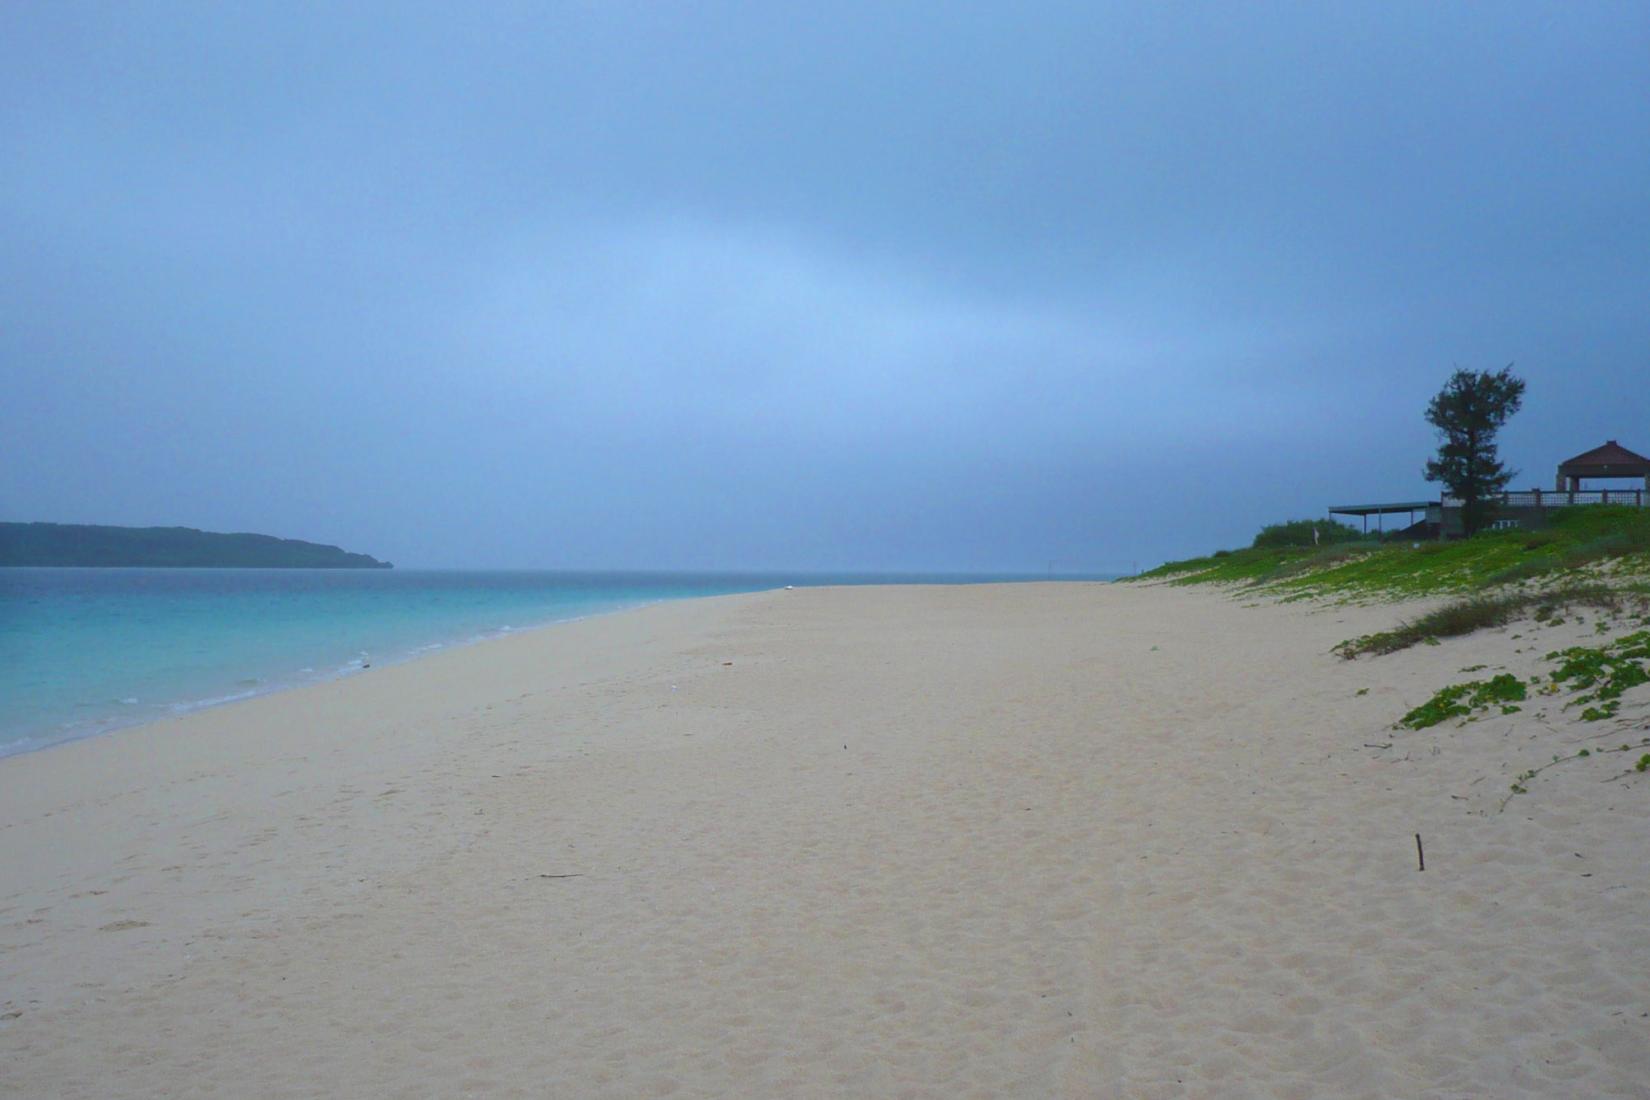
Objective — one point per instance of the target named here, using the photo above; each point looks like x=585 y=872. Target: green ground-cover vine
x=1464 y=700
x=1520 y=785
x=1603 y=673
x=1600 y=674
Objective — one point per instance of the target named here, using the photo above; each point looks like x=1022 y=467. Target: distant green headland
x=75 y=544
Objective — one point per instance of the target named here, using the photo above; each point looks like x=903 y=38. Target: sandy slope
x=1034 y=840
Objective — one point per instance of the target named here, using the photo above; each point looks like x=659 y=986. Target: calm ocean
x=83 y=651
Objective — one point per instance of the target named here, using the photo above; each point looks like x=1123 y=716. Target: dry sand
x=1032 y=840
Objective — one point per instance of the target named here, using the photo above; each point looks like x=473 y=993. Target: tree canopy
x=1468 y=412
x=1307 y=532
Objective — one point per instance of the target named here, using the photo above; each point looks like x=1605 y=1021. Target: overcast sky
x=821 y=286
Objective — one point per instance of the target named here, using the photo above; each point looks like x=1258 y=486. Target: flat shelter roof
x=1380 y=509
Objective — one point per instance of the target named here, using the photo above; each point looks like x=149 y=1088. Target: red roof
x=1612 y=456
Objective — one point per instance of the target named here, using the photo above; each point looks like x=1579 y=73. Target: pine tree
x=1468 y=412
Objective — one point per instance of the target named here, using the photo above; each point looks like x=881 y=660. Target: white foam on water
x=191 y=705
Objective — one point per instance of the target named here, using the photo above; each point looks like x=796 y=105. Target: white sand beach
x=1074 y=840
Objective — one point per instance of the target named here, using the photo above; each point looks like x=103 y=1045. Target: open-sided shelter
x=1610 y=461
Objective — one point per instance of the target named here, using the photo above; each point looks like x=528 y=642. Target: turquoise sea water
x=84 y=651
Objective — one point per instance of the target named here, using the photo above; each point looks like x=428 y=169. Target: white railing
x=1565 y=498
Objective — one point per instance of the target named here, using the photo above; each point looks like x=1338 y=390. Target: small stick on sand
x=1420 y=855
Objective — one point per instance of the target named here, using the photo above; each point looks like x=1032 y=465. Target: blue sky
x=868 y=286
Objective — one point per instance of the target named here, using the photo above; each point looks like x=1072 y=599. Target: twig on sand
x=1420 y=854
x=562 y=876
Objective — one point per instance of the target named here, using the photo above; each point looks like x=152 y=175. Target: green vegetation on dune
x=1223 y=566
x=1603 y=673
x=1463 y=700
x=1593 y=556
x=1577 y=538
x=1595 y=676
x=1479 y=612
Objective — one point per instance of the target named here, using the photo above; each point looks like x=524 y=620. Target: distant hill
x=86 y=545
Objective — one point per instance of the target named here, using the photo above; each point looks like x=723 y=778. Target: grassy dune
x=1590 y=543
x=1591 y=560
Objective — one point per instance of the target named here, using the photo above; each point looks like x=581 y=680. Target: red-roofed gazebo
x=1609 y=461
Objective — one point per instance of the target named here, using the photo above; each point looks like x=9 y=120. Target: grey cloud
x=871 y=286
